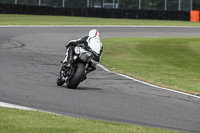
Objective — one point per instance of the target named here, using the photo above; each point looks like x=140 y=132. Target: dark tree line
x=159 y=4
x=57 y=3
x=123 y=4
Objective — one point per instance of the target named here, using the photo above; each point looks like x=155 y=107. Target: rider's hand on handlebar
x=71 y=42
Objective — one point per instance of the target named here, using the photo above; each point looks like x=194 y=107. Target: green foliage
x=76 y=3
x=7 y=1
x=123 y=4
x=51 y=3
x=129 y=4
x=57 y=3
x=28 y=2
x=153 y=4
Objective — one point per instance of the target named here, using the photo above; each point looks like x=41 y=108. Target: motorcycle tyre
x=78 y=76
x=60 y=82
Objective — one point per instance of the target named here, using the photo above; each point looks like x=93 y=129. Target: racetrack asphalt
x=30 y=62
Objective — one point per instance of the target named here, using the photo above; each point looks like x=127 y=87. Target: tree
x=51 y=3
x=28 y=2
x=76 y=3
x=123 y=4
x=153 y=4
x=7 y=1
x=196 y=4
x=129 y=4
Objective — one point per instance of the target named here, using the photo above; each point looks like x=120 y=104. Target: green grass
x=20 y=121
x=171 y=62
x=9 y=19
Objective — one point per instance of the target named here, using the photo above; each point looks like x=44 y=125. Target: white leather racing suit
x=91 y=43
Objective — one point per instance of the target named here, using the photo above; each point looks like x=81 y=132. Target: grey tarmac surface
x=30 y=61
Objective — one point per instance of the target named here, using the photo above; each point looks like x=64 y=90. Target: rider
x=91 y=43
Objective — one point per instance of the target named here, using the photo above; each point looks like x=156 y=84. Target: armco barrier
x=95 y=12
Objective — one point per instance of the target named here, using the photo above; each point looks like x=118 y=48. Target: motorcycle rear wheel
x=77 y=77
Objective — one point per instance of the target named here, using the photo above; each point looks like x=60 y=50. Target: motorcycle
x=74 y=72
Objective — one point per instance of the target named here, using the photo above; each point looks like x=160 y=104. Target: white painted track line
x=9 y=105
x=105 y=69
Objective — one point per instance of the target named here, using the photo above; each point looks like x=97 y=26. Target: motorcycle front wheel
x=77 y=77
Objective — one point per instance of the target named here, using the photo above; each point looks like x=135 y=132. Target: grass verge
x=10 y=19
x=171 y=62
x=20 y=121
